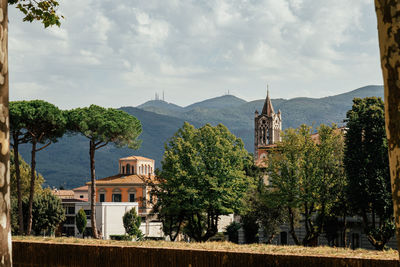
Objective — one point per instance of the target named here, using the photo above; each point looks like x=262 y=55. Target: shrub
x=132 y=223
x=232 y=230
x=121 y=237
x=81 y=221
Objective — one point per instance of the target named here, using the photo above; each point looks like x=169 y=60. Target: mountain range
x=66 y=163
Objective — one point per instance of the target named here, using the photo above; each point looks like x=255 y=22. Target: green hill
x=67 y=162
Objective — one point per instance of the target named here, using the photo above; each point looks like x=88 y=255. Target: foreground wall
x=46 y=254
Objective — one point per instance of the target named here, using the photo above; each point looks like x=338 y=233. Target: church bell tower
x=267 y=129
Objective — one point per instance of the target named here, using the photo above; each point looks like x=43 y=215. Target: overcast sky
x=119 y=53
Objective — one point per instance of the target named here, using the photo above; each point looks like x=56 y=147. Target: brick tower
x=267 y=130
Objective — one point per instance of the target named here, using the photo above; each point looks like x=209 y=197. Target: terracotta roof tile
x=81 y=188
x=125 y=179
x=63 y=193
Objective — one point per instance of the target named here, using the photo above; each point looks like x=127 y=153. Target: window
x=102 y=197
x=123 y=169
x=81 y=196
x=128 y=169
x=70 y=220
x=116 y=197
x=88 y=214
x=133 y=170
x=70 y=210
x=131 y=197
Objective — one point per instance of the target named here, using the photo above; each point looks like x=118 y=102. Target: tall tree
x=305 y=175
x=44 y=123
x=388 y=17
x=103 y=126
x=48 y=17
x=367 y=167
x=19 y=136
x=24 y=184
x=203 y=174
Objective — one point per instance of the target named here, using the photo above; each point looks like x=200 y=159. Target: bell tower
x=267 y=129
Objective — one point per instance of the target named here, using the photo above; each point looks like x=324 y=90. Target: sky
x=117 y=53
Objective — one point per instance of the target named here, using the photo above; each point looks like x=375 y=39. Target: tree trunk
x=344 y=231
x=5 y=219
x=291 y=227
x=32 y=186
x=388 y=17
x=93 y=189
x=19 y=193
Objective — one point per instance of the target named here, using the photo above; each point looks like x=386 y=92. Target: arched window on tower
x=263 y=136
x=268 y=137
x=133 y=169
x=128 y=168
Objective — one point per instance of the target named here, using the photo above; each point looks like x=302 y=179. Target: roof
x=81 y=188
x=126 y=179
x=136 y=158
x=340 y=130
x=72 y=200
x=268 y=108
x=63 y=193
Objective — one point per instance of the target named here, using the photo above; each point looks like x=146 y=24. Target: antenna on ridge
x=163 y=98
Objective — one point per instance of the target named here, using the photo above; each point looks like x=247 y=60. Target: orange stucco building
x=131 y=184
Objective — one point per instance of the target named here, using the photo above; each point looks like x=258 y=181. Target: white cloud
x=116 y=53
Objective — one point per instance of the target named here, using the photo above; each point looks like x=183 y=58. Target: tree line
x=316 y=179
x=40 y=124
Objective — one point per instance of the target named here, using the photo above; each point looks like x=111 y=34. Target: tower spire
x=268 y=108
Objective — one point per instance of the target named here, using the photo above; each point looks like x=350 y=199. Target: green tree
x=305 y=175
x=25 y=171
x=232 y=230
x=48 y=18
x=262 y=211
x=203 y=177
x=103 y=126
x=367 y=167
x=44 y=124
x=25 y=177
x=47 y=212
x=132 y=223
x=81 y=221
x=19 y=136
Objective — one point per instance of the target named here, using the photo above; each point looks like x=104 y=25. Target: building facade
x=115 y=195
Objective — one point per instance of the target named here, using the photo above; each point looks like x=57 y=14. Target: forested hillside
x=66 y=163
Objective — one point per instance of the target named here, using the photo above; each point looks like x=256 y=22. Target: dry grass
x=227 y=246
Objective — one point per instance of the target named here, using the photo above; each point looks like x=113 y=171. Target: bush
x=218 y=237
x=81 y=220
x=132 y=223
x=232 y=230
x=121 y=237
